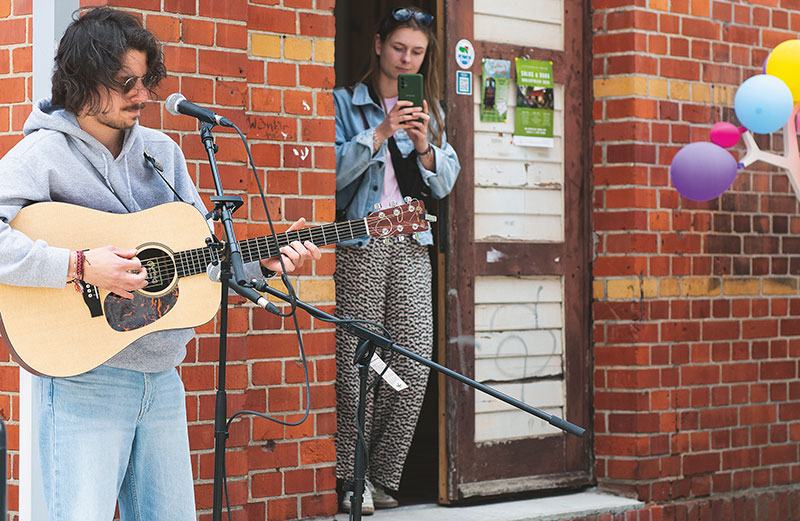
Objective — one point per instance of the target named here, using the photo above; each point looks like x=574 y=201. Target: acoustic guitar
x=63 y=332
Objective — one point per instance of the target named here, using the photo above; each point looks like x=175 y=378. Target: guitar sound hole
x=160 y=268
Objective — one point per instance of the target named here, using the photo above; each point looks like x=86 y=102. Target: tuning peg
x=416 y=236
x=392 y=203
x=386 y=241
x=414 y=226
x=401 y=239
x=430 y=218
x=407 y=199
x=377 y=206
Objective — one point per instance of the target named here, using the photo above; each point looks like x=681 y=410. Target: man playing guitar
x=117 y=432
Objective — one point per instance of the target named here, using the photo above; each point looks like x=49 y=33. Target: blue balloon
x=702 y=171
x=763 y=103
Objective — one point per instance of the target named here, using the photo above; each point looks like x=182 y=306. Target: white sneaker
x=367 y=506
x=381 y=498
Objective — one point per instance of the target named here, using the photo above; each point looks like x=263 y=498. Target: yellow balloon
x=784 y=63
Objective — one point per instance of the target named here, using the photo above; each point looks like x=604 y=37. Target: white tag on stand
x=389 y=376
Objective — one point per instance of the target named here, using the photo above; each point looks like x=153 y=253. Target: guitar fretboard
x=192 y=262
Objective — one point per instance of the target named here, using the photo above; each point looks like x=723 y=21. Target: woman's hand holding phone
x=413 y=120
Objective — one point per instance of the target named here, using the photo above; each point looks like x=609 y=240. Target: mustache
x=135 y=106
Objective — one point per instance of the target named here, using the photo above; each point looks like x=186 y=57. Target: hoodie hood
x=114 y=171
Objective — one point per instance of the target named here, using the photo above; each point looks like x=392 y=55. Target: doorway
x=356 y=21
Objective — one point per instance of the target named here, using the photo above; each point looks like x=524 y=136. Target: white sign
x=465 y=54
x=464 y=83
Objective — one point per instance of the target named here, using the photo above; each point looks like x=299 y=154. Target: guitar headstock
x=399 y=220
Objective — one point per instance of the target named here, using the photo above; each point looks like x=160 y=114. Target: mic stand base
x=361 y=360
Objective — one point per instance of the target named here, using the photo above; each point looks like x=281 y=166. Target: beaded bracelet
x=428 y=151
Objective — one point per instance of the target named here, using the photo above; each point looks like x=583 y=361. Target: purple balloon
x=725 y=134
x=764 y=65
x=702 y=171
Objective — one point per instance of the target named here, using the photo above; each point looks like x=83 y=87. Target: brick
x=320 y=25
x=223 y=63
x=281 y=509
x=318 y=130
x=23 y=59
x=232 y=36
x=166 y=28
x=228 y=10
x=282 y=74
x=180 y=6
x=317 y=451
x=150 y=5
x=271 y=20
x=297 y=49
x=199 y=32
x=266 y=45
x=317 y=76
x=180 y=59
x=324 y=51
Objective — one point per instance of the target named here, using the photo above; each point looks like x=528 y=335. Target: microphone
x=178 y=104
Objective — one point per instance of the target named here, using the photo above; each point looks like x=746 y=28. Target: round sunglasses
x=403 y=14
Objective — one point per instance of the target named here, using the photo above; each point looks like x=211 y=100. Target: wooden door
x=518 y=269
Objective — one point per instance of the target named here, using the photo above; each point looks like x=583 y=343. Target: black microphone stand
x=371 y=341
x=230 y=266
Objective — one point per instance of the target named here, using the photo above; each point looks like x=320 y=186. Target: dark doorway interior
x=356 y=21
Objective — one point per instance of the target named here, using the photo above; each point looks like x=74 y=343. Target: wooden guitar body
x=59 y=332
x=51 y=331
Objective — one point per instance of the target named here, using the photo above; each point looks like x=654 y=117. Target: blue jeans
x=114 y=434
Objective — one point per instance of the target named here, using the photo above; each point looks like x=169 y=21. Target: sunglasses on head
x=403 y=14
x=128 y=84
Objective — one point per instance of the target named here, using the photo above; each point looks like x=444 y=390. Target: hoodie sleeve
x=26 y=262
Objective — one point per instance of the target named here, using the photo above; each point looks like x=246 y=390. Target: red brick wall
x=695 y=313
x=16 y=88
x=268 y=66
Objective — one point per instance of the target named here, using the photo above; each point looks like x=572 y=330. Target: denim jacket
x=354 y=159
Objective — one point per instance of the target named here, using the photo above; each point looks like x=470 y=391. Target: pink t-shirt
x=391 y=190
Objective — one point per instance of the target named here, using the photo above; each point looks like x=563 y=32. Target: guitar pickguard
x=130 y=314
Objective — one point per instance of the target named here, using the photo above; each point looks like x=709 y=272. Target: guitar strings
x=198 y=259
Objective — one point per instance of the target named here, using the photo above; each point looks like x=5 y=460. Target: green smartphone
x=409 y=88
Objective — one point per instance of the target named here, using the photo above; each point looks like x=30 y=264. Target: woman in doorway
x=387 y=150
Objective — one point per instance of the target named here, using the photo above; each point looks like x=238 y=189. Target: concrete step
x=552 y=508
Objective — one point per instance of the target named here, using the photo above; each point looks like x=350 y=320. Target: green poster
x=494 y=90
x=533 y=124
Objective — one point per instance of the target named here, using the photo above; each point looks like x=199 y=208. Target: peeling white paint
x=494 y=255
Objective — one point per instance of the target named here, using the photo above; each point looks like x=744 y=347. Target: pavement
x=566 y=506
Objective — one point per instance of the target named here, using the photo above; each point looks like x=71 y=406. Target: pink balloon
x=725 y=134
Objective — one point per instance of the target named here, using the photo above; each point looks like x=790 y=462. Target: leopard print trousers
x=389 y=284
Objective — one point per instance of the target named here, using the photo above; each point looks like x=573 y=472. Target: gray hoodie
x=58 y=161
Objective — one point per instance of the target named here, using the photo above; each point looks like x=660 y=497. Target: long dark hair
x=430 y=69
x=90 y=56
